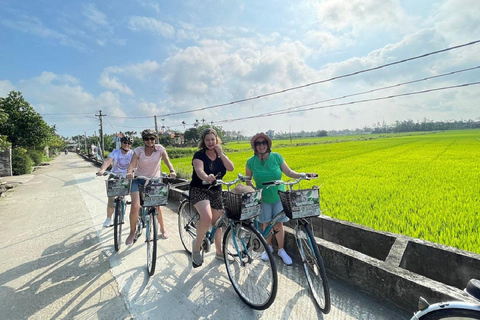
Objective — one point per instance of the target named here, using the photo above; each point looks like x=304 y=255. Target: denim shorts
x=269 y=211
x=135 y=184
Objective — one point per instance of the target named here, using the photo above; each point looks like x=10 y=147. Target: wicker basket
x=300 y=203
x=242 y=206
x=155 y=195
x=118 y=187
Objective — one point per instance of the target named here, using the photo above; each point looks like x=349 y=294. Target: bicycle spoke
x=254 y=280
x=313 y=267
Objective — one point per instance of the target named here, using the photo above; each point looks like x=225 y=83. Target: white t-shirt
x=120 y=161
x=149 y=166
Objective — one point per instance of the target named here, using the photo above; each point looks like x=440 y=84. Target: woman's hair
x=201 y=143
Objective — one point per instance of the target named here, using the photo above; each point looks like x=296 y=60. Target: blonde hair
x=201 y=143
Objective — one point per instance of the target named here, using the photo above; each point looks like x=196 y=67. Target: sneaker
x=107 y=223
x=197 y=257
x=265 y=255
x=285 y=257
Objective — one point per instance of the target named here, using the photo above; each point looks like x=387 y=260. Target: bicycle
x=152 y=194
x=254 y=280
x=118 y=187
x=452 y=310
x=298 y=205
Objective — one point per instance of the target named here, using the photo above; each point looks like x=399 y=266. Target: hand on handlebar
x=211 y=178
x=311 y=175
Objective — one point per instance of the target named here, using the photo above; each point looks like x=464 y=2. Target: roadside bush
x=36 y=156
x=21 y=161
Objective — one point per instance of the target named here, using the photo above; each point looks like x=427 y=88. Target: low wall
x=6 y=163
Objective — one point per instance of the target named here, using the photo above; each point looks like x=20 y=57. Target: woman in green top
x=263 y=166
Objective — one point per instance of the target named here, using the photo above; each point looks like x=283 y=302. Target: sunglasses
x=126 y=142
x=258 y=143
x=149 y=138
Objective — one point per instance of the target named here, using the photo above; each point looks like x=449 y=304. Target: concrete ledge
x=386 y=265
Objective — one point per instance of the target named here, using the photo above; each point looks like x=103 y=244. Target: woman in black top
x=209 y=163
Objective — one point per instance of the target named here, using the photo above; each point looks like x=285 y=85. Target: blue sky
x=136 y=59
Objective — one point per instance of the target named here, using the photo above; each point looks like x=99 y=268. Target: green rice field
x=423 y=185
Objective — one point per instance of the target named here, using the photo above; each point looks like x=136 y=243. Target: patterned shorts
x=214 y=196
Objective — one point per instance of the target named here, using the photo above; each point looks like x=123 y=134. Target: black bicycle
x=118 y=187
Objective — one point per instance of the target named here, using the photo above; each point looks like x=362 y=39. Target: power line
x=349 y=103
x=323 y=81
x=311 y=83
x=375 y=90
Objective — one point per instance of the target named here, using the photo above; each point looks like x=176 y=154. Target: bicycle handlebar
x=116 y=175
x=240 y=178
x=303 y=176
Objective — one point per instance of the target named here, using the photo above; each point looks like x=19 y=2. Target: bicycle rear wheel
x=313 y=267
x=187 y=224
x=151 y=234
x=254 y=280
x=117 y=223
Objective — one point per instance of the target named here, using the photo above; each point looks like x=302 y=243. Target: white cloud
x=152 y=25
x=107 y=80
x=5 y=88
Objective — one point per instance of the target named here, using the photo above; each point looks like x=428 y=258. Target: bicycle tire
x=187 y=224
x=117 y=224
x=254 y=280
x=151 y=236
x=313 y=267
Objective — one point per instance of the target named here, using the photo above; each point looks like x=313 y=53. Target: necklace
x=261 y=157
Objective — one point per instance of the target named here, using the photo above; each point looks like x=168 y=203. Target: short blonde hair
x=201 y=143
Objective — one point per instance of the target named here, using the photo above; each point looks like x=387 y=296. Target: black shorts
x=214 y=196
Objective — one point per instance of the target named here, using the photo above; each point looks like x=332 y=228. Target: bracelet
x=172 y=170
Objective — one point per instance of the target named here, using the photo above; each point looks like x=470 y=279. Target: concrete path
x=56 y=261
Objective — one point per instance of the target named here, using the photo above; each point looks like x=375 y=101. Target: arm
x=226 y=162
x=198 y=167
x=105 y=165
x=166 y=159
x=132 y=166
x=289 y=172
x=249 y=173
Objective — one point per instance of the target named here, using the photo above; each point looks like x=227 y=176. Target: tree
x=192 y=135
x=25 y=127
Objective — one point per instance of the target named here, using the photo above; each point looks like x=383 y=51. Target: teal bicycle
x=152 y=194
x=299 y=205
x=254 y=280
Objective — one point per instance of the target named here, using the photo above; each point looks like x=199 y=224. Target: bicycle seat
x=186 y=194
x=473 y=288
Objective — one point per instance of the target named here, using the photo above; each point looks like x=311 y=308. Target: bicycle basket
x=118 y=187
x=242 y=206
x=155 y=194
x=300 y=203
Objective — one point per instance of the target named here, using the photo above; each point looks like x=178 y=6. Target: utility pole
x=156 y=126
x=102 y=145
x=85 y=136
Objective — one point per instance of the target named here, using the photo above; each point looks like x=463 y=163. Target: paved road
x=56 y=261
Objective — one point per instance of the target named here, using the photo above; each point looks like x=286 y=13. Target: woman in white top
x=121 y=160
x=146 y=161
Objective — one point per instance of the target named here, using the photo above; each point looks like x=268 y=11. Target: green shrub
x=21 y=161
x=36 y=156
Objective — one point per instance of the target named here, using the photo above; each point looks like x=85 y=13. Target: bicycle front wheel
x=313 y=267
x=254 y=280
x=117 y=223
x=151 y=234
x=187 y=224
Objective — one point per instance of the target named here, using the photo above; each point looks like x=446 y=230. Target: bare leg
x=110 y=211
x=134 y=209
x=160 y=220
x=216 y=214
x=205 y=211
x=279 y=235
